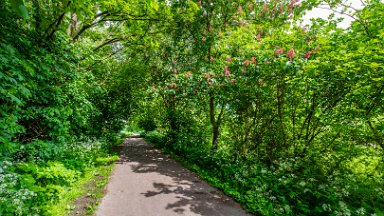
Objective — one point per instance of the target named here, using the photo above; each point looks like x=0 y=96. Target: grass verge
x=83 y=197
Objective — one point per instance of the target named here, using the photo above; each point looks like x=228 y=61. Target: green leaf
x=19 y=8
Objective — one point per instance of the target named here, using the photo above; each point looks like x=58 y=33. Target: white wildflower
x=360 y=211
x=326 y=207
x=342 y=204
x=287 y=208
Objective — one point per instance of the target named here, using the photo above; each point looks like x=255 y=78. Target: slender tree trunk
x=215 y=128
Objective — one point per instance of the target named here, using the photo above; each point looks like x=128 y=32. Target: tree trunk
x=215 y=129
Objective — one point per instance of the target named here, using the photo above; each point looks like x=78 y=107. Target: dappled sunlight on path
x=146 y=182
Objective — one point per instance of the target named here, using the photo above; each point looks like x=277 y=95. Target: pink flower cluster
x=253 y=60
x=246 y=62
x=308 y=54
x=227 y=72
x=279 y=51
x=187 y=75
x=291 y=54
x=239 y=8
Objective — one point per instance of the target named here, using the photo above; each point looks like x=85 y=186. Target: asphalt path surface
x=146 y=182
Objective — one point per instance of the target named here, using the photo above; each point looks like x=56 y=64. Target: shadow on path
x=163 y=186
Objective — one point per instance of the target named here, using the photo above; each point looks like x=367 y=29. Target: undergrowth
x=40 y=176
x=280 y=188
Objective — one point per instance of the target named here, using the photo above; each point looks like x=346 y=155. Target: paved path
x=145 y=182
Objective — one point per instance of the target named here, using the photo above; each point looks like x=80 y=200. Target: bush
x=147 y=123
x=40 y=172
x=16 y=197
x=155 y=137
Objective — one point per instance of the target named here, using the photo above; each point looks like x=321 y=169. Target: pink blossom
x=290 y=14
x=239 y=8
x=291 y=54
x=187 y=75
x=253 y=60
x=307 y=55
x=207 y=75
x=246 y=62
x=265 y=8
x=279 y=51
x=228 y=59
x=211 y=58
x=232 y=80
x=291 y=4
x=153 y=88
x=203 y=39
x=258 y=36
x=210 y=83
x=227 y=73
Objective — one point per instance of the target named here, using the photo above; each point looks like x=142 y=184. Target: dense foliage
x=286 y=118
x=61 y=102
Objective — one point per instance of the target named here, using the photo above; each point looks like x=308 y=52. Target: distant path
x=145 y=182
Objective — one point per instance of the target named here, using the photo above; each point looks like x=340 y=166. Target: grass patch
x=84 y=195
